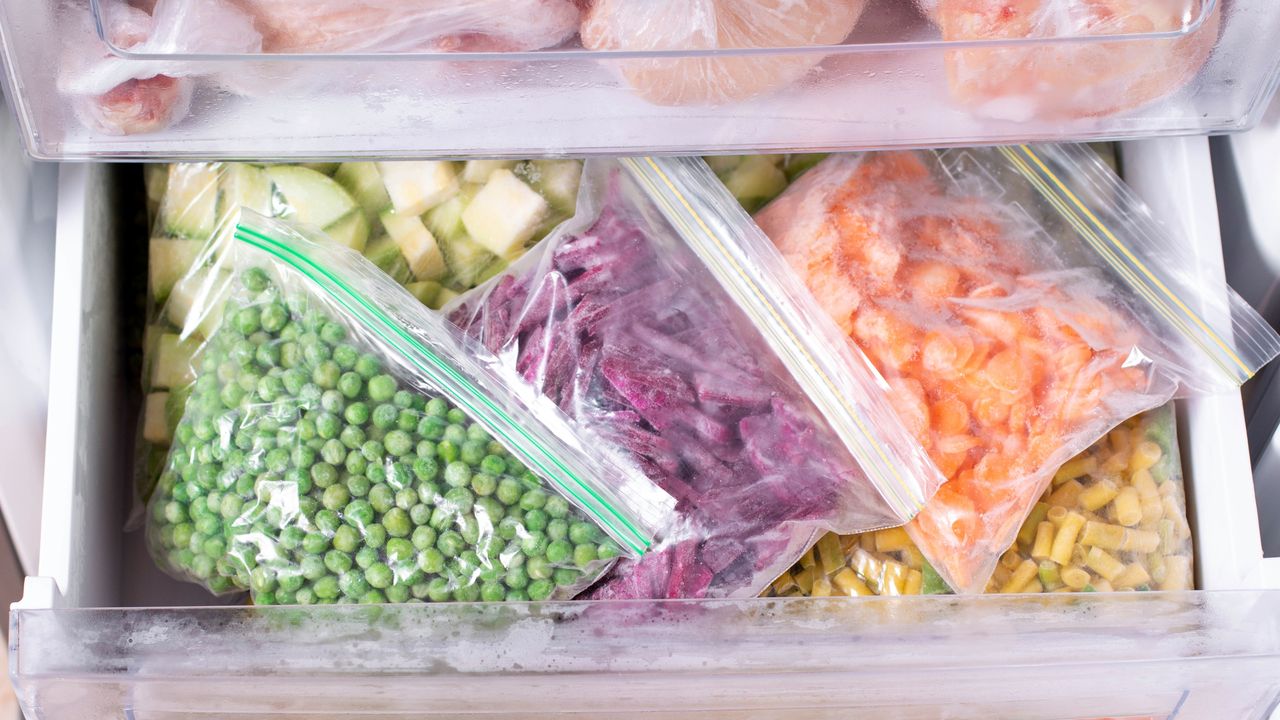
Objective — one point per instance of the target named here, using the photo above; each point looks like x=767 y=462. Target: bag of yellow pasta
x=1114 y=519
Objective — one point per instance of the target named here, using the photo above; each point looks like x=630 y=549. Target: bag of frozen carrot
x=1021 y=302
x=661 y=317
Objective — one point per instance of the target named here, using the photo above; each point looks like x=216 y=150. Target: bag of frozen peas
x=1020 y=302
x=663 y=318
x=342 y=443
x=1114 y=518
x=438 y=228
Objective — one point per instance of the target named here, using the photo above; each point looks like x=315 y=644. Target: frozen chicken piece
x=1071 y=79
x=122 y=96
x=656 y=25
x=317 y=26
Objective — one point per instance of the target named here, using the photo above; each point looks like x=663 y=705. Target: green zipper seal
x=608 y=516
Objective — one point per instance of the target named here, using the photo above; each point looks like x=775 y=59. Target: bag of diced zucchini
x=1114 y=518
x=342 y=443
x=662 y=317
x=437 y=228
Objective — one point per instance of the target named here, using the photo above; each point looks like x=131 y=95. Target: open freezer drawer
x=92 y=637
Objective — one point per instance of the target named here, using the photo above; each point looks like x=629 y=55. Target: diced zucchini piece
x=492 y=269
x=385 y=253
x=445 y=220
x=364 y=182
x=504 y=214
x=315 y=199
x=244 y=185
x=796 y=165
x=722 y=164
x=207 y=291
x=174 y=361
x=156 y=178
x=425 y=290
x=352 y=230
x=416 y=243
x=416 y=187
x=155 y=426
x=466 y=260
x=167 y=261
x=443 y=297
x=478 y=171
x=190 y=205
x=756 y=181
x=558 y=181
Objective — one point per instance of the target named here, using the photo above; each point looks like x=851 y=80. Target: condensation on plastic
x=663 y=317
x=1126 y=491
x=1021 y=302
x=886 y=84
x=263 y=500
x=1199 y=656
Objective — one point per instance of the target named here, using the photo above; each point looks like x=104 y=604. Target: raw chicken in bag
x=661 y=317
x=1021 y=303
x=342 y=443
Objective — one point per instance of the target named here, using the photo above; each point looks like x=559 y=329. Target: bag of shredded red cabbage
x=1021 y=302
x=661 y=316
x=343 y=443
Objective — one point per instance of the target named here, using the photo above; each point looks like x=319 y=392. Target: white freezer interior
x=1210 y=655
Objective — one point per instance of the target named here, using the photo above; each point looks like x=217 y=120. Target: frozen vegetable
x=617 y=319
x=1114 y=518
x=756 y=179
x=1020 y=304
x=1072 y=79
x=438 y=228
x=337 y=445
x=657 y=25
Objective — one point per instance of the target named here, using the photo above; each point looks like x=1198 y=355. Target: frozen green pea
x=337 y=562
x=533 y=500
x=516 y=578
x=437 y=407
x=248 y=320
x=398 y=443
x=373 y=597
x=541 y=589
x=456 y=416
x=359 y=513
x=405 y=499
x=336 y=496
x=315 y=543
x=432 y=427
x=313 y=567
x=255 y=279
x=534 y=544
x=352 y=584
x=326 y=374
x=381 y=388
x=493 y=465
x=397 y=522
x=385 y=416
x=425 y=468
x=450 y=543
x=407 y=421
x=469 y=528
x=491 y=510
x=365 y=557
x=383 y=498
x=508 y=491
x=378 y=575
x=346 y=357
x=352 y=437
x=324 y=475
x=438 y=590
x=492 y=592
x=356 y=463
x=457 y=474
x=472 y=452
x=557 y=529
x=517 y=596
x=538 y=568
x=398 y=593
x=584 y=555
x=399 y=551
x=372 y=451
x=262 y=579
x=332 y=401
x=509 y=528
x=456 y=435
x=582 y=532
x=357 y=413
x=559 y=552
x=460 y=499
x=291 y=537
x=376 y=472
x=359 y=485
x=420 y=514
x=333 y=333
x=326 y=587
x=431 y=561
x=535 y=520
x=327 y=425
x=346 y=539
x=375 y=535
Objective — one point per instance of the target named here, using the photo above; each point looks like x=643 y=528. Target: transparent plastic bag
x=1021 y=302
x=1120 y=507
x=1071 y=80
x=661 y=317
x=657 y=25
x=343 y=443
x=433 y=227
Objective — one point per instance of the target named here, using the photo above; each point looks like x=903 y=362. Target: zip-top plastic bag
x=1055 y=79
x=1114 y=518
x=343 y=443
x=664 y=319
x=438 y=228
x=1021 y=302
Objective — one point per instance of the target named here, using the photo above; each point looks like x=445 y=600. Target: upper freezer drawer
x=103 y=633
x=269 y=78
